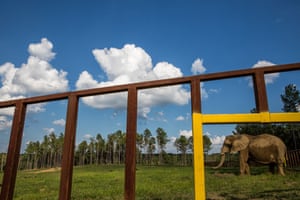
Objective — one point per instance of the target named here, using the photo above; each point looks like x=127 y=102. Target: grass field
x=158 y=183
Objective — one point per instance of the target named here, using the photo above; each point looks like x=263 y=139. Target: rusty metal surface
x=131 y=130
x=12 y=161
x=260 y=92
x=196 y=96
x=68 y=149
x=8 y=182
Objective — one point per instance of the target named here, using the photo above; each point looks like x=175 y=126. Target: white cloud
x=217 y=142
x=170 y=147
x=60 y=122
x=204 y=93
x=180 y=118
x=36 y=108
x=127 y=65
x=269 y=78
x=36 y=77
x=42 y=50
x=88 y=136
x=207 y=133
x=186 y=133
x=49 y=130
x=198 y=67
x=214 y=91
x=5 y=123
x=160 y=113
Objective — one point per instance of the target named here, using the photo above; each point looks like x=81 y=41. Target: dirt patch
x=214 y=196
x=224 y=175
x=47 y=170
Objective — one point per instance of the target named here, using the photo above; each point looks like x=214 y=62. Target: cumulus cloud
x=36 y=77
x=217 y=142
x=42 y=50
x=186 y=133
x=269 y=78
x=180 y=118
x=198 y=67
x=60 y=122
x=88 y=136
x=49 y=130
x=5 y=123
x=127 y=65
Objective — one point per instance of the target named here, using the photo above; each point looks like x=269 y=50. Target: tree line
x=151 y=150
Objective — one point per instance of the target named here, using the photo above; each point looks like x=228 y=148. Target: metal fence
x=293 y=159
x=20 y=105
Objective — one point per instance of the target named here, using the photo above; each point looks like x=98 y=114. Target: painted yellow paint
x=285 y=117
x=199 y=176
x=264 y=117
x=200 y=119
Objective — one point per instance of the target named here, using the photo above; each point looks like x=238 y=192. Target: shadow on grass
x=236 y=170
x=292 y=193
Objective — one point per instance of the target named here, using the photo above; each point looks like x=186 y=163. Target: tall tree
x=82 y=150
x=100 y=145
x=120 y=138
x=147 y=137
x=206 y=144
x=291 y=103
x=139 y=147
x=151 y=148
x=182 y=145
x=162 y=140
x=91 y=150
x=290 y=98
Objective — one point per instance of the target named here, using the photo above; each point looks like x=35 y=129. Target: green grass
x=225 y=184
x=158 y=183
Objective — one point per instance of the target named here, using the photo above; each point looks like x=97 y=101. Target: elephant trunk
x=221 y=161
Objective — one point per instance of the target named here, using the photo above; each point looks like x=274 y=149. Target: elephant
x=264 y=149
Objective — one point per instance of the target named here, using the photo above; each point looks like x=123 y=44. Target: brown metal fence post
x=68 y=151
x=12 y=159
x=130 y=163
x=260 y=92
x=196 y=96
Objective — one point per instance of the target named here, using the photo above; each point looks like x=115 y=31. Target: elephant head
x=233 y=144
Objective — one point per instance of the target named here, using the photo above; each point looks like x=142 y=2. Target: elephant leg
x=247 y=169
x=244 y=167
x=280 y=169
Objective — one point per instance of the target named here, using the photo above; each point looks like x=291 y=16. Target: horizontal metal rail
x=154 y=84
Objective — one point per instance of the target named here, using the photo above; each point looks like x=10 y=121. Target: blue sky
x=54 y=46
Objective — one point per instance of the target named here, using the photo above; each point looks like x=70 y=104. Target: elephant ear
x=241 y=142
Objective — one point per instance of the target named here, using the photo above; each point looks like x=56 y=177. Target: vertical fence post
x=68 y=149
x=199 y=175
x=260 y=92
x=195 y=96
x=130 y=162
x=12 y=159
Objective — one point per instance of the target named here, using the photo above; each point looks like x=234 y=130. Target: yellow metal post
x=199 y=176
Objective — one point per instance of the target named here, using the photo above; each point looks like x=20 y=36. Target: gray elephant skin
x=264 y=149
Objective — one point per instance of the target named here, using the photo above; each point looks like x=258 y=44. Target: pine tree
x=290 y=98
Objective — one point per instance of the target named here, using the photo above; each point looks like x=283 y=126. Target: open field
x=158 y=183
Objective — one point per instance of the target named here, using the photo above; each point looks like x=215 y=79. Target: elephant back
x=267 y=148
